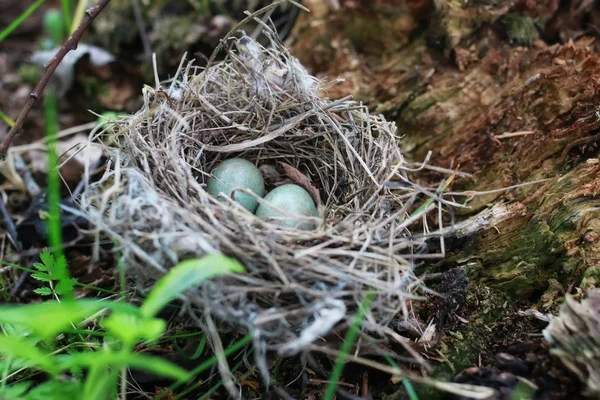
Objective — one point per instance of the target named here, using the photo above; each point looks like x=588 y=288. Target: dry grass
x=260 y=104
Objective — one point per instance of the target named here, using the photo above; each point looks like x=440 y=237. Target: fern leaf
x=44 y=291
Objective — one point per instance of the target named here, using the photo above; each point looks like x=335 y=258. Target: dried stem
x=70 y=44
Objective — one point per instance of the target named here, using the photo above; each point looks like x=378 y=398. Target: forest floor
x=456 y=90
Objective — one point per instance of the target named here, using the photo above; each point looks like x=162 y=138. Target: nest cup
x=260 y=104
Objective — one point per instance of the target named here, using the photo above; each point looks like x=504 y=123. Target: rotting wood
x=454 y=81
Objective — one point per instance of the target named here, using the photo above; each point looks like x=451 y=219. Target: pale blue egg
x=290 y=198
x=237 y=173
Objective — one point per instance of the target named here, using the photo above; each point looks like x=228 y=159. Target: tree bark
x=508 y=91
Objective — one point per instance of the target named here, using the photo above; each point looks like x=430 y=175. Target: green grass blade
x=216 y=387
x=53 y=389
x=66 y=9
x=185 y=276
x=78 y=15
x=19 y=20
x=207 y=364
x=430 y=200
x=8 y=120
x=100 y=382
x=53 y=223
x=54 y=26
x=347 y=346
x=410 y=390
x=118 y=360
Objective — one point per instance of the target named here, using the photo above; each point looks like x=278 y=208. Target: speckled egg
x=237 y=173
x=290 y=198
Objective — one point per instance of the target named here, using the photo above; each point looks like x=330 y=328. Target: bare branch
x=68 y=45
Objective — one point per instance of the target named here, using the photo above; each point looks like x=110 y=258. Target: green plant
x=44 y=337
x=521 y=29
x=66 y=14
x=338 y=368
x=47 y=351
x=19 y=20
x=522 y=391
x=48 y=271
x=53 y=224
x=48 y=337
x=54 y=28
x=7 y=120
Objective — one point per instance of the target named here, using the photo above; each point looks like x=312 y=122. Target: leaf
x=19 y=348
x=130 y=328
x=16 y=330
x=41 y=277
x=47 y=260
x=44 y=291
x=100 y=383
x=48 y=319
x=64 y=75
x=119 y=360
x=186 y=275
x=65 y=286
x=56 y=389
x=157 y=366
x=8 y=168
x=15 y=391
x=40 y=267
x=304 y=181
x=59 y=265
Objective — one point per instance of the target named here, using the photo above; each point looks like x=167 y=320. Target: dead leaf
x=63 y=77
x=272 y=175
x=13 y=179
x=304 y=181
x=72 y=148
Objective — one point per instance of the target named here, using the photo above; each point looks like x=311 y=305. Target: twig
x=70 y=44
x=140 y=25
x=15 y=291
x=578 y=142
x=514 y=134
x=30 y=184
x=9 y=225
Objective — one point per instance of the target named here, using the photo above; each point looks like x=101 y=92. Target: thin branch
x=9 y=225
x=70 y=44
x=514 y=134
x=140 y=25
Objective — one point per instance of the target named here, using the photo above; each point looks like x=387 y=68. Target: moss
x=521 y=29
x=518 y=258
x=463 y=345
x=591 y=278
x=379 y=31
x=30 y=74
x=286 y=369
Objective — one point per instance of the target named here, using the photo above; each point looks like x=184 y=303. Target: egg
x=237 y=173
x=290 y=198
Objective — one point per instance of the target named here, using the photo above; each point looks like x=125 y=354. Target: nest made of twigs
x=260 y=104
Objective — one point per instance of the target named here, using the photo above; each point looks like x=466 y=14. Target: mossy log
x=459 y=82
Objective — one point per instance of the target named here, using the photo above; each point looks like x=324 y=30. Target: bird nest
x=260 y=104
